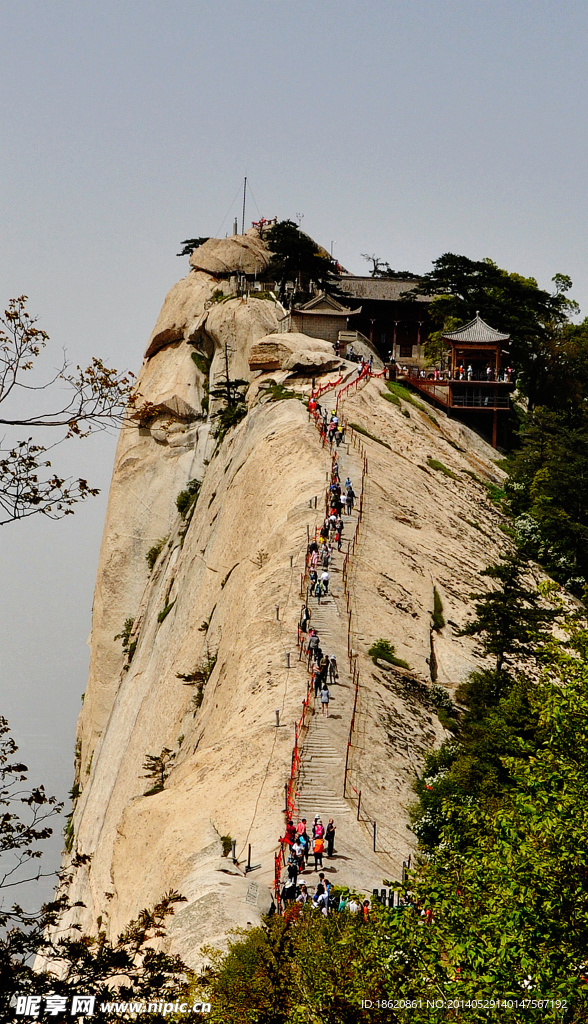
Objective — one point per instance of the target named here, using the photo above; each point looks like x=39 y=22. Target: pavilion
x=476 y=384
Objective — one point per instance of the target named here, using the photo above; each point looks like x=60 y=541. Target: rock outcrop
x=213 y=643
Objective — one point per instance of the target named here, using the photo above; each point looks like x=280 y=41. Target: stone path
x=324 y=748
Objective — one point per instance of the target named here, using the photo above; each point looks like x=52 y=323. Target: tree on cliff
x=296 y=258
x=76 y=404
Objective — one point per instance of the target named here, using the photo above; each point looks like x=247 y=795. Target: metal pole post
x=233 y=855
x=277 y=718
x=358 y=804
x=287 y=659
x=374 y=837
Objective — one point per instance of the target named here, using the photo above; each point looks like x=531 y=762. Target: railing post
x=358 y=804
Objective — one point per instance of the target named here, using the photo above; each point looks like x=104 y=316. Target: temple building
x=395 y=321
x=322 y=317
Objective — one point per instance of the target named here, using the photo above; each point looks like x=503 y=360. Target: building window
x=406 y=351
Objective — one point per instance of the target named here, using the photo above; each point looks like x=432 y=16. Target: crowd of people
x=304 y=849
x=303 y=845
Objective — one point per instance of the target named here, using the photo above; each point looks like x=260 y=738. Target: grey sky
x=406 y=129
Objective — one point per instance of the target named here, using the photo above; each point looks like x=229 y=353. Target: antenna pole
x=244 y=193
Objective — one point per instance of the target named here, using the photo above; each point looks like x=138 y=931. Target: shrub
x=227 y=842
x=200 y=677
x=391 y=398
x=68 y=833
x=125 y=636
x=383 y=650
x=276 y=392
x=372 y=437
x=227 y=418
x=154 y=553
x=401 y=392
x=203 y=363
x=165 y=611
x=496 y=494
x=440 y=467
x=187 y=498
x=158 y=767
x=438 y=619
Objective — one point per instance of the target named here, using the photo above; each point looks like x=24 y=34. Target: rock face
x=215 y=621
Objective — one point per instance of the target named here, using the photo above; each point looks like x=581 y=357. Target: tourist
x=318 y=590
x=303 y=897
x=320 y=676
x=288 y=893
x=304 y=619
x=325 y=698
x=318 y=847
x=470 y=371
x=353 y=906
x=325 y=577
x=349 y=500
x=330 y=837
x=365 y=910
x=290 y=834
x=333 y=674
x=347 y=484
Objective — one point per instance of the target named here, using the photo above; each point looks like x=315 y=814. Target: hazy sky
x=405 y=129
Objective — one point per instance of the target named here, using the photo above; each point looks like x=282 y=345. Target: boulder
x=236 y=253
x=292 y=351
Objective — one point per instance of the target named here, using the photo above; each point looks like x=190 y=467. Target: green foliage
x=158 y=767
x=189 y=244
x=68 y=832
x=154 y=552
x=372 y=437
x=227 y=418
x=187 y=498
x=510 y=619
x=383 y=650
x=438 y=620
x=227 y=844
x=440 y=467
x=399 y=391
x=391 y=398
x=276 y=392
x=547 y=492
x=125 y=635
x=165 y=610
x=295 y=969
x=203 y=363
x=496 y=494
x=199 y=677
x=297 y=259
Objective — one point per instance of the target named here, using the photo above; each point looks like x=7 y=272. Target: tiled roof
x=388 y=289
x=476 y=331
